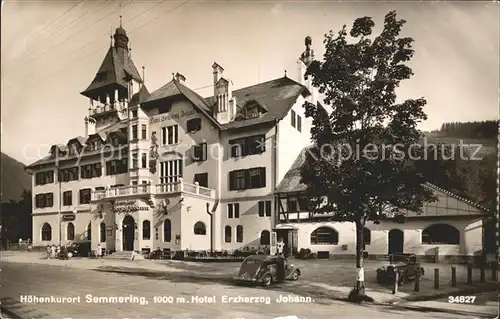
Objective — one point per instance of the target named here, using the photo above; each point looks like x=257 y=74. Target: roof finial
x=285 y=73
x=120 y=4
x=173 y=75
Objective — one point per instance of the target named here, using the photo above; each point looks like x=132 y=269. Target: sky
x=51 y=51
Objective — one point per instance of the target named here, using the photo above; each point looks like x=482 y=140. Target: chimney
x=90 y=126
x=305 y=60
x=218 y=70
x=179 y=77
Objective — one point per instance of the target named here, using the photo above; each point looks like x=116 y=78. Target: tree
x=358 y=78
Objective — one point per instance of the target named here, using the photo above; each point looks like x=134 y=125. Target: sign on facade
x=171 y=116
x=128 y=206
x=68 y=217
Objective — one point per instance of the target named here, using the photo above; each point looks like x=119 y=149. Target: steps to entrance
x=124 y=255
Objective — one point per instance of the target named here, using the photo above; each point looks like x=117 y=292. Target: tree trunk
x=360 y=277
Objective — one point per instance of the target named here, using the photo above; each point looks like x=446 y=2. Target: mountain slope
x=14 y=179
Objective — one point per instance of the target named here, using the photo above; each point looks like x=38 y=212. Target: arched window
x=146 y=230
x=265 y=237
x=367 y=236
x=227 y=234
x=70 y=232
x=239 y=234
x=167 y=231
x=440 y=234
x=89 y=231
x=103 y=232
x=46 y=232
x=200 y=228
x=324 y=236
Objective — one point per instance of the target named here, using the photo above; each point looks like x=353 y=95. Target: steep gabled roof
x=276 y=96
x=291 y=182
x=140 y=96
x=176 y=88
x=117 y=66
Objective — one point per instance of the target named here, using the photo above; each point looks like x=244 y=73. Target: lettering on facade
x=128 y=206
x=68 y=217
x=171 y=116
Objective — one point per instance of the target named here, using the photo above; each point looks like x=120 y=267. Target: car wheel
x=70 y=255
x=267 y=280
x=295 y=275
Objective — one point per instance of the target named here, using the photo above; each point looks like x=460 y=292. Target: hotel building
x=170 y=168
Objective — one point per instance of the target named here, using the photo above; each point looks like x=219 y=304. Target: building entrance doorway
x=128 y=231
x=396 y=241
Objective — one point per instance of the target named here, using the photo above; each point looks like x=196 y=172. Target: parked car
x=405 y=265
x=266 y=270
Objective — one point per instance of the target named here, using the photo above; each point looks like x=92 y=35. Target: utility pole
x=60 y=203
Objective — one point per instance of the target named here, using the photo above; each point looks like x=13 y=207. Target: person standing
x=99 y=251
x=280 y=247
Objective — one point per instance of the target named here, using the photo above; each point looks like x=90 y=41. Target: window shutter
x=179 y=162
x=261 y=209
x=236 y=210
x=231 y=181
x=248 y=182
x=229 y=210
x=262 y=177
x=268 y=208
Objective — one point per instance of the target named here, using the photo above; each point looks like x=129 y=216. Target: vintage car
x=266 y=270
x=405 y=265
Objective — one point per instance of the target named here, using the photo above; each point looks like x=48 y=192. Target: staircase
x=123 y=255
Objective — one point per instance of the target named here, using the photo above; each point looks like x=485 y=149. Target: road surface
x=174 y=294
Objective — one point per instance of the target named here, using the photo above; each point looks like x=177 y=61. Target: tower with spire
x=304 y=61
x=115 y=82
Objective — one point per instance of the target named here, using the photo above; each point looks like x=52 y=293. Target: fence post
x=453 y=276
x=436 y=278
x=395 y=284
x=469 y=274
x=483 y=273
x=417 y=281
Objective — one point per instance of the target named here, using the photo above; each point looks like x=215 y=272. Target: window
x=251 y=145
x=367 y=236
x=233 y=210
x=85 y=196
x=91 y=171
x=252 y=112
x=167 y=231
x=199 y=152
x=46 y=232
x=134 y=132
x=144 y=160
x=303 y=202
x=324 y=236
x=299 y=123
x=117 y=167
x=115 y=141
x=144 y=132
x=256 y=144
x=247 y=179
x=89 y=231
x=68 y=174
x=265 y=208
x=237 y=180
x=227 y=234
x=93 y=145
x=440 y=234
x=170 y=135
x=201 y=179
x=200 y=228
x=134 y=114
x=239 y=234
x=193 y=125
x=70 y=232
x=135 y=161
x=103 y=232
x=265 y=238
x=44 y=200
x=67 y=198
x=42 y=178
x=257 y=177
x=146 y=230
x=170 y=171
x=291 y=204
x=293 y=117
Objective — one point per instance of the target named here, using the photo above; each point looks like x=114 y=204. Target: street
x=173 y=293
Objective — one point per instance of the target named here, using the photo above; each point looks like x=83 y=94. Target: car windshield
x=252 y=261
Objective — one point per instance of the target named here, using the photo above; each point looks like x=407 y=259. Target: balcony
x=137 y=191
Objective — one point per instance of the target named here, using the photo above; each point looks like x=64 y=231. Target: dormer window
x=253 y=112
x=193 y=125
x=101 y=77
x=94 y=145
